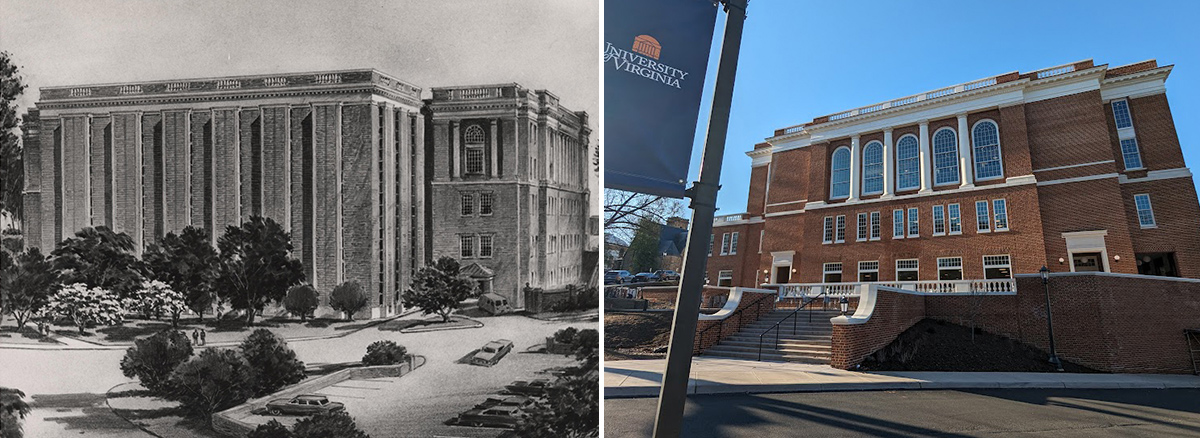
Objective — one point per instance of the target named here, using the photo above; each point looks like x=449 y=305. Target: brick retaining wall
x=894 y=312
x=752 y=306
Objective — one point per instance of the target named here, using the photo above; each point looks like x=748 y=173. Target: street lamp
x=1050 y=319
x=845 y=305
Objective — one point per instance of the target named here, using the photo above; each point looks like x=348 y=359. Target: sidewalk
x=642 y=378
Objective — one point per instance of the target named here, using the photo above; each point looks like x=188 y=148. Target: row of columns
x=965 y=164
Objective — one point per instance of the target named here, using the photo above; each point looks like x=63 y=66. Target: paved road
x=979 y=413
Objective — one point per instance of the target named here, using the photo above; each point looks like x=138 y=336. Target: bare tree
x=624 y=211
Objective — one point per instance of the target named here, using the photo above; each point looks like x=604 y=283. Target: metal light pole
x=668 y=421
x=1050 y=319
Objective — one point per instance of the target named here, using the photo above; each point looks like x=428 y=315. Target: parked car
x=667 y=275
x=492 y=352
x=522 y=402
x=494 y=304
x=618 y=277
x=645 y=277
x=533 y=388
x=496 y=416
x=305 y=404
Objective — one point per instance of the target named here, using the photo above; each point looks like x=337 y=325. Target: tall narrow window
x=987 y=151
x=873 y=168
x=828 y=229
x=1145 y=211
x=949 y=268
x=473 y=140
x=876 y=231
x=945 y=157
x=907 y=270
x=955 y=214
x=861 y=231
x=982 y=219
x=485 y=246
x=485 y=204
x=1000 y=213
x=841 y=230
x=939 y=220
x=897 y=224
x=711 y=239
x=914 y=228
x=468 y=204
x=839 y=174
x=733 y=243
x=762 y=235
x=467 y=246
x=1131 y=154
x=725 y=244
x=908 y=163
x=1121 y=114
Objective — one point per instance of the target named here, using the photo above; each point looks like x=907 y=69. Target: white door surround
x=1085 y=242
x=781 y=259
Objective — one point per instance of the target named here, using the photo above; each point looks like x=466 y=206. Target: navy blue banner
x=655 y=56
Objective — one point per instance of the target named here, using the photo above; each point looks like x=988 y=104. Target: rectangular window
x=468 y=204
x=711 y=239
x=997 y=266
x=1145 y=211
x=485 y=204
x=725 y=244
x=907 y=270
x=876 y=226
x=467 y=246
x=1000 y=211
x=840 y=237
x=983 y=221
x=485 y=246
x=868 y=271
x=949 y=268
x=733 y=244
x=828 y=229
x=1131 y=154
x=897 y=224
x=474 y=160
x=762 y=234
x=914 y=228
x=939 y=220
x=833 y=273
x=861 y=231
x=725 y=278
x=955 y=219
x=1121 y=114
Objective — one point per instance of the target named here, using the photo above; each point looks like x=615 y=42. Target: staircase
x=808 y=343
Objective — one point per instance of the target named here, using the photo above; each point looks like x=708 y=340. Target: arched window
x=839 y=175
x=872 y=168
x=986 y=139
x=908 y=163
x=474 y=135
x=945 y=157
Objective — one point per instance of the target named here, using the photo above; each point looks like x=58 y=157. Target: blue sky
x=800 y=60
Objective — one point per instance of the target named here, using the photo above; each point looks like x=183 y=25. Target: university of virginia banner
x=655 y=56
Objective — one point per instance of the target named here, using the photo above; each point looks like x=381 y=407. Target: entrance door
x=1088 y=262
x=783 y=274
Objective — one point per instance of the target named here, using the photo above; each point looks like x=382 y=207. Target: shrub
x=384 y=353
x=153 y=359
x=85 y=306
x=328 y=425
x=301 y=300
x=273 y=364
x=273 y=429
x=214 y=380
x=13 y=410
x=565 y=336
x=348 y=297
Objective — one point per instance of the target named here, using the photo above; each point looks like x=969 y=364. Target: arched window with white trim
x=872 y=171
x=839 y=174
x=986 y=139
x=945 y=157
x=908 y=163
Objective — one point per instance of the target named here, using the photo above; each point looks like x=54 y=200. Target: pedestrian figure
x=203 y=334
x=196 y=336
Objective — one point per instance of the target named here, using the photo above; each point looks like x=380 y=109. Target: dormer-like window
x=987 y=151
x=945 y=157
x=873 y=168
x=839 y=175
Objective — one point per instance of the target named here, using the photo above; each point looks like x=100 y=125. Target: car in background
x=521 y=402
x=667 y=275
x=492 y=352
x=618 y=277
x=305 y=404
x=496 y=416
x=646 y=277
x=534 y=387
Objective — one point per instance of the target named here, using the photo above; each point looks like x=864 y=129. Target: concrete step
x=799 y=351
x=786 y=331
x=782 y=337
x=770 y=343
x=770 y=357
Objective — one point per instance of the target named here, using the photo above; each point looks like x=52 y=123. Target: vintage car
x=532 y=388
x=306 y=404
x=496 y=416
x=492 y=352
x=519 y=401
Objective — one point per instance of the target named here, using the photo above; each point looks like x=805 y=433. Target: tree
x=26 y=286
x=99 y=258
x=255 y=265
x=301 y=300
x=348 y=297
x=440 y=288
x=273 y=429
x=272 y=362
x=328 y=425
x=571 y=407
x=13 y=410
x=155 y=300
x=624 y=211
x=212 y=381
x=384 y=353
x=643 y=255
x=85 y=306
x=187 y=262
x=153 y=359
x=12 y=167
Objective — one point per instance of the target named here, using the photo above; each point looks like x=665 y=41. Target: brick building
x=352 y=163
x=1076 y=167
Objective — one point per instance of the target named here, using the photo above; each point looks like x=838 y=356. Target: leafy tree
x=13 y=410
x=328 y=425
x=153 y=359
x=572 y=404
x=187 y=262
x=12 y=167
x=155 y=300
x=642 y=255
x=440 y=288
x=26 y=286
x=272 y=362
x=212 y=381
x=273 y=429
x=85 y=306
x=348 y=297
x=99 y=258
x=256 y=265
x=384 y=353
x=301 y=300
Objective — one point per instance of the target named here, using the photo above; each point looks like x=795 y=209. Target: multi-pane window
x=868 y=271
x=467 y=246
x=949 y=268
x=840 y=235
x=833 y=272
x=485 y=246
x=725 y=278
x=997 y=266
x=1121 y=114
x=983 y=223
x=468 y=204
x=1145 y=211
x=914 y=228
x=861 y=231
x=873 y=168
x=828 y=229
x=725 y=244
x=733 y=243
x=1131 y=154
x=485 y=204
x=840 y=174
x=711 y=239
x=987 y=151
x=897 y=224
x=945 y=157
x=907 y=270
x=939 y=220
x=762 y=235
x=1000 y=213
x=908 y=163
x=474 y=160
x=955 y=218
x=876 y=226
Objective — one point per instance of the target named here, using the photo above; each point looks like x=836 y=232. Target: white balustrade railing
x=798 y=290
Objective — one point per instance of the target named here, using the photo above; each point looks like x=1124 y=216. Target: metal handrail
x=823 y=295
x=757 y=306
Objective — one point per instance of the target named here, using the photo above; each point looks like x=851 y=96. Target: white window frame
x=1128 y=113
x=860 y=230
x=917 y=158
x=827 y=238
x=733 y=241
x=939 y=220
x=865 y=267
x=914 y=222
x=1137 y=150
x=491 y=248
x=725 y=275
x=898 y=220
x=997 y=215
x=1007 y=264
x=984 y=226
x=961 y=272
x=876 y=226
x=1149 y=209
x=725 y=244
x=916 y=268
x=954 y=219
x=975 y=155
x=712 y=238
x=849 y=164
x=464 y=246
x=875 y=175
x=762 y=235
x=933 y=150
x=839 y=229
x=827 y=268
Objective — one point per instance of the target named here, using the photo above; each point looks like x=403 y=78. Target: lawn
x=227 y=330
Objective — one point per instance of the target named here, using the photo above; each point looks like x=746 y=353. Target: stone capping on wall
x=869 y=294
x=735 y=297
x=1111 y=274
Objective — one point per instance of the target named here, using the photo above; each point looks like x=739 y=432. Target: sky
x=800 y=60
x=540 y=44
